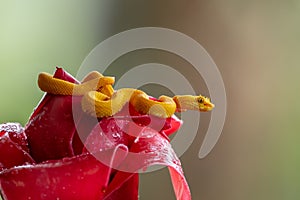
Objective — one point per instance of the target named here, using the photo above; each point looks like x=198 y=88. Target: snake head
x=189 y=102
x=204 y=103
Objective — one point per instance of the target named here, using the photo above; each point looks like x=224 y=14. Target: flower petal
x=148 y=148
x=165 y=126
x=13 y=146
x=151 y=148
x=77 y=178
x=180 y=185
x=107 y=135
x=174 y=125
x=51 y=127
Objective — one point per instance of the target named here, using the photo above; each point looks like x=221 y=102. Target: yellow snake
x=100 y=99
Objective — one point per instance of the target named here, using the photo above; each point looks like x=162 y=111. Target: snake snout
x=206 y=107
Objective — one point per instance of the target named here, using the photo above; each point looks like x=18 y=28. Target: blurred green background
x=254 y=43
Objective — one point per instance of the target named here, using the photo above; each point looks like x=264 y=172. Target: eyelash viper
x=101 y=100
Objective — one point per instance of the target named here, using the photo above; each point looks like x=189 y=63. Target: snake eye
x=200 y=100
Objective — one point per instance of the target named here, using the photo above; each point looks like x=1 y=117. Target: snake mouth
x=207 y=107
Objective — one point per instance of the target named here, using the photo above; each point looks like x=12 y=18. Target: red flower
x=49 y=160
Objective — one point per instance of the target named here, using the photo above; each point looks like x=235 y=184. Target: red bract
x=81 y=177
x=13 y=146
x=56 y=165
x=146 y=148
x=51 y=127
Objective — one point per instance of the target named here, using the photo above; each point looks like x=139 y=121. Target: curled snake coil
x=101 y=100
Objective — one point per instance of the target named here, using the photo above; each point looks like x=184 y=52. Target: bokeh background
x=254 y=43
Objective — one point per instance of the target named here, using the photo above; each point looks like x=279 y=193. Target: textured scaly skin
x=100 y=99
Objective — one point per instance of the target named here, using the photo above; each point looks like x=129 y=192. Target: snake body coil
x=99 y=98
